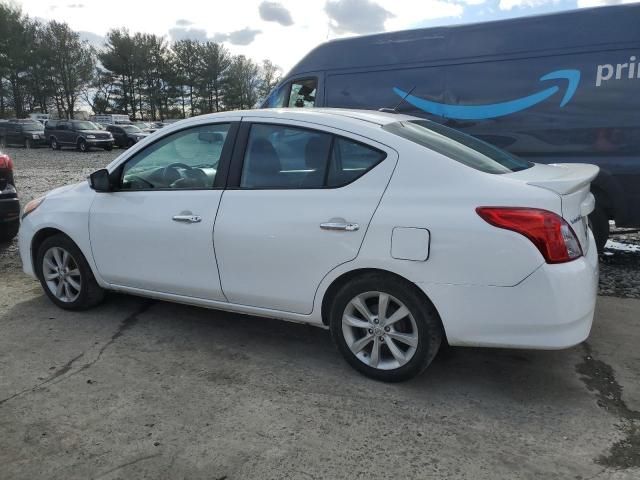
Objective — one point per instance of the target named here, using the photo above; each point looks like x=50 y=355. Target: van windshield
x=458 y=146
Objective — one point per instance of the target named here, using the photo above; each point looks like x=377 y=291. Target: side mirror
x=100 y=181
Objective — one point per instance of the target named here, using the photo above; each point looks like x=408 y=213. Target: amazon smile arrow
x=479 y=112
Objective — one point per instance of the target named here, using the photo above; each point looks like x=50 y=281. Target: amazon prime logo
x=606 y=71
x=494 y=110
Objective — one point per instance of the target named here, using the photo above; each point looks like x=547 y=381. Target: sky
x=280 y=30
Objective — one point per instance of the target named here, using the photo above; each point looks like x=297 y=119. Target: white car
x=396 y=233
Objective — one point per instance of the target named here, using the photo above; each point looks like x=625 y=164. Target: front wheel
x=65 y=274
x=28 y=143
x=384 y=327
x=3 y=142
x=108 y=148
x=54 y=144
x=83 y=146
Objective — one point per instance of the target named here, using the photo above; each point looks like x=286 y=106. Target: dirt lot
x=146 y=389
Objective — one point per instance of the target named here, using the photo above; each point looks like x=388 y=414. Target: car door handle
x=187 y=218
x=349 y=227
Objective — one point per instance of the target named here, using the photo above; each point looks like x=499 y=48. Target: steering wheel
x=170 y=174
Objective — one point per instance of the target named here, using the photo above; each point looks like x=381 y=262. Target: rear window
x=458 y=146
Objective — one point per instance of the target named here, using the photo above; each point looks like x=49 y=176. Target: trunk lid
x=572 y=182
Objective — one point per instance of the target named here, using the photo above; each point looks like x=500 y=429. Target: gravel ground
x=40 y=170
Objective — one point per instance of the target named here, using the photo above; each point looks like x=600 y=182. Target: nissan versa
x=397 y=233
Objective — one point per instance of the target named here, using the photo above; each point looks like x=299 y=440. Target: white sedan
x=396 y=233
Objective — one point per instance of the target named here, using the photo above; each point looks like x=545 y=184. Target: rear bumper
x=552 y=308
x=9 y=210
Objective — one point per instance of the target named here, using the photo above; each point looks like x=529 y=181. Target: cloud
x=275 y=12
x=511 y=4
x=356 y=16
x=182 y=33
x=244 y=36
x=181 y=22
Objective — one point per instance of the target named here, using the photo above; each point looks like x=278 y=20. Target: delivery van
x=563 y=87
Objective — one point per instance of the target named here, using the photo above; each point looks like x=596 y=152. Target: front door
x=155 y=232
x=298 y=205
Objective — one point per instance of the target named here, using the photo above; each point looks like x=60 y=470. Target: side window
x=350 y=160
x=303 y=93
x=285 y=157
x=187 y=159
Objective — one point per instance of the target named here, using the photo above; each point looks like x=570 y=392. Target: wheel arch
x=345 y=277
x=39 y=237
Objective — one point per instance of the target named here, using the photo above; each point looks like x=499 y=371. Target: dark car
x=9 y=204
x=558 y=88
x=126 y=136
x=27 y=133
x=80 y=134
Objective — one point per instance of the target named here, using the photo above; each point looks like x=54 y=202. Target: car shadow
x=222 y=347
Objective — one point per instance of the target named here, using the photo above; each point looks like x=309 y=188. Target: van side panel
x=570 y=107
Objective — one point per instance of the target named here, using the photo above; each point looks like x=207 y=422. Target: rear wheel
x=599 y=222
x=384 y=327
x=65 y=274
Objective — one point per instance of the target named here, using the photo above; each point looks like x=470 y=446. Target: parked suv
x=27 y=133
x=76 y=133
x=126 y=136
x=9 y=205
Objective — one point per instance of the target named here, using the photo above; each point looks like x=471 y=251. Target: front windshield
x=131 y=128
x=458 y=146
x=84 y=126
x=31 y=127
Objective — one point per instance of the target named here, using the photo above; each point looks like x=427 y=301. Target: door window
x=285 y=157
x=278 y=156
x=187 y=159
x=303 y=93
x=350 y=160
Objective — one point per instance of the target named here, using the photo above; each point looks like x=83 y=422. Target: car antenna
x=395 y=109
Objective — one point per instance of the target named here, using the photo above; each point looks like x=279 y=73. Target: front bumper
x=9 y=210
x=552 y=308
x=100 y=142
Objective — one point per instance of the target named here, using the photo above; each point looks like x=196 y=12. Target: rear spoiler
x=571 y=178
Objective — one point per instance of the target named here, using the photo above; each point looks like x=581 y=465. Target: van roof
x=599 y=27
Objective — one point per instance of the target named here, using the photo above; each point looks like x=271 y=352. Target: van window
x=303 y=93
x=277 y=98
x=458 y=146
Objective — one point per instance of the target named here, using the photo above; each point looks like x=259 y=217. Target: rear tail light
x=6 y=162
x=549 y=232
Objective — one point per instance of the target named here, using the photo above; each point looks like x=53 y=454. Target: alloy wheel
x=380 y=330
x=61 y=274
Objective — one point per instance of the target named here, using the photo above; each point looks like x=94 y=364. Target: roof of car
x=315 y=115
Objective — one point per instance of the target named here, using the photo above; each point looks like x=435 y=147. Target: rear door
x=298 y=204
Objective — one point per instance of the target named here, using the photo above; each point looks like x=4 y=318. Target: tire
x=421 y=325
x=130 y=143
x=9 y=230
x=83 y=291
x=599 y=222
x=83 y=146
x=28 y=143
x=54 y=144
x=3 y=142
x=109 y=148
